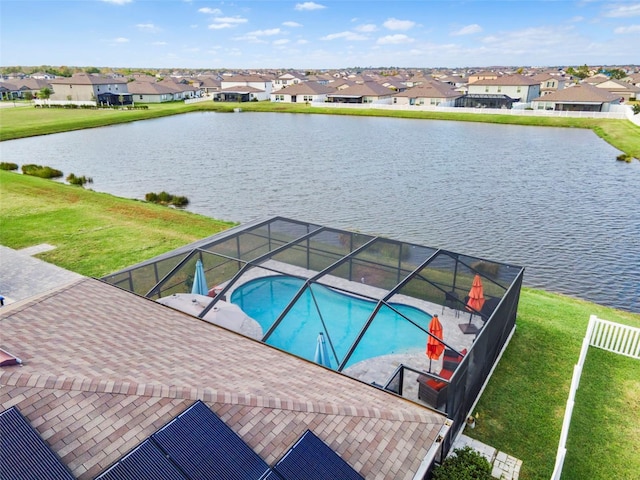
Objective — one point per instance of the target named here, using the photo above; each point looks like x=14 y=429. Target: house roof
x=431 y=89
x=305 y=88
x=150 y=88
x=366 y=89
x=86 y=79
x=103 y=369
x=582 y=93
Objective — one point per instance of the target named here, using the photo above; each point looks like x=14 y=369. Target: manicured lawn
x=95 y=233
x=28 y=121
x=522 y=409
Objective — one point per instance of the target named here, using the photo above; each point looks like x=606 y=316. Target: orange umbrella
x=434 y=346
x=476 y=296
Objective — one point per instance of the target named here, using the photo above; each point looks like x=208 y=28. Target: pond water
x=553 y=200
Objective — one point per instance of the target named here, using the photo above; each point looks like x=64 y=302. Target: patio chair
x=432 y=391
x=451 y=359
x=452 y=300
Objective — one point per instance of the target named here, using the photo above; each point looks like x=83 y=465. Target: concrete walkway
x=23 y=276
x=504 y=467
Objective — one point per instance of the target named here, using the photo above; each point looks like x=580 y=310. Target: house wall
x=279 y=97
x=149 y=98
x=525 y=93
x=85 y=92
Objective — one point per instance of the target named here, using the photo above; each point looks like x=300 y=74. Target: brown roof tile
x=104 y=369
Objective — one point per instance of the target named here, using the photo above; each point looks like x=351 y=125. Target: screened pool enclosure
x=284 y=282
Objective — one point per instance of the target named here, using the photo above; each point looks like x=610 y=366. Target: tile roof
x=103 y=369
x=431 y=89
x=305 y=88
x=579 y=93
x=508 y=80
x=86 y=79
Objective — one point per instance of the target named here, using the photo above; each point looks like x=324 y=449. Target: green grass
x=522 y=408
x=95 y=234
x=28 y=121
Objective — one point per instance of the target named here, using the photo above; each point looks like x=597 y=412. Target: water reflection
x=551 y=199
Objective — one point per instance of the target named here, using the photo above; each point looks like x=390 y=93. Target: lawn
x=28 y=121
x=521 y=410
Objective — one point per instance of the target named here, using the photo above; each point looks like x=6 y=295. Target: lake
x=553 y=200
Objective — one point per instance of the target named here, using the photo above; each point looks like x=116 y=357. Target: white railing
x=614 y=337
x=197 y=100
x=89 y=103
x=621 y=115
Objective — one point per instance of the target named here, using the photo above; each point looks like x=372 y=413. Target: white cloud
x=282 y=41
x=302 y=41
x=307 y=6
x=118 y=2
x=369 y=27
x=121 y=40
x=291 y=24
x=395 y=24
x=468 y=30
x=226 y=22
x=148 y=27
x=262 y=33
x=159 y=44
x=629 y=29
x=210 y=11
x=236 y=20
x=345 y=35
x=577 y=19
x=623 y=11
x=396 y=39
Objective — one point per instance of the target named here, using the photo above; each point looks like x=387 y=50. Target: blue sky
x=318 y=34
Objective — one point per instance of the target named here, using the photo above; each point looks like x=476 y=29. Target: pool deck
x=379 y=369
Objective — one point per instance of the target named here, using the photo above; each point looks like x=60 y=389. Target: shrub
x=40 y=171
x=623 y=157
x=164 y=198
x=464 y=464
x=636 y=109
x=8 y=166
x=80 y=181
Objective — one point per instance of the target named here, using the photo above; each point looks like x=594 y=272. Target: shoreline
x=27 y=121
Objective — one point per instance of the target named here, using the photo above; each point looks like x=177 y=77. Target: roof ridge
x=11 y=376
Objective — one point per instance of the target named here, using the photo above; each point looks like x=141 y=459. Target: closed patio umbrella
x=434 y=346
x=322 y=354
x=199 y=281
x=475 y=302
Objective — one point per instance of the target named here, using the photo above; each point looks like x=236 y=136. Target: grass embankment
x=522 y=409
x=94 y=233
x=28 y=121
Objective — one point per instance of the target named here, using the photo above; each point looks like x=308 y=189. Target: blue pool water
x=265 y=298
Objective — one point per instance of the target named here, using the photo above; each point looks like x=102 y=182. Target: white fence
x=610 y=336
x=198 y=100
x=620 y=114
x=89 y=103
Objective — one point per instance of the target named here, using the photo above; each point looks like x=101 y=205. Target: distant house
x=17 y=88
x=517 y=87
x=302 y=92
x=624 y=90
x=431 y=93
x=209 y=84
x=182 y=88
x=579 y=98
x=244 y=88
x=150 y=92
x=287 y=79
x=484 y=75
x=85 y=87
x=367 y=92
x=549 y=83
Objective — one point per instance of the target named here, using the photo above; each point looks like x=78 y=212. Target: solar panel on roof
x=24 y=454
x=204 y=447
x=145 y=462
x=312 y=459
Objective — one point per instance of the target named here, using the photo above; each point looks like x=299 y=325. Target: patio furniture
x=451 y=359
x=452 y=300
x=432 y=390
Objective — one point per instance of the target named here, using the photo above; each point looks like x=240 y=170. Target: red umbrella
x=476 y=296
x=434 y=346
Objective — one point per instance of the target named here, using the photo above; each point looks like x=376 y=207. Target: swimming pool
x=264 y=299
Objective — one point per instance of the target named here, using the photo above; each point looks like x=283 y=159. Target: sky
x=309 y=35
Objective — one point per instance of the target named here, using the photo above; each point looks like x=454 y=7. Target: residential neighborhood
x=552 y=89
